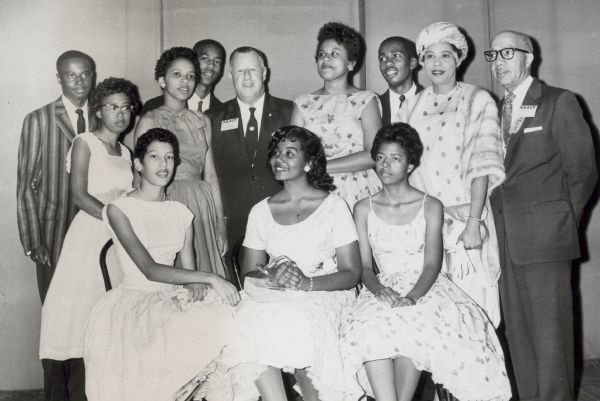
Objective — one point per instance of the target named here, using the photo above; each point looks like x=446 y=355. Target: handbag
x=461 y=262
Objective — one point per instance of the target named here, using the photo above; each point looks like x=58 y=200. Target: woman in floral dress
x=345 y=117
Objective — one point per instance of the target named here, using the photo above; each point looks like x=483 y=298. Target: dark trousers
x=44 y=275
x=537 y=310
x=64 y=380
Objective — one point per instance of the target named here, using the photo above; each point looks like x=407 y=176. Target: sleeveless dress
x=445 y=333
x=77 y=283
x=143 y=340
x=188 y=186
x=295 y=329
x=336 y=119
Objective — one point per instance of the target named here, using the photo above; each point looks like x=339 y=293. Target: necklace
x=298 y=214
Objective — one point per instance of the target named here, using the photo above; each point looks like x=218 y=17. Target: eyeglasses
x=84 y=76
x=506 y=53
x=113 y=108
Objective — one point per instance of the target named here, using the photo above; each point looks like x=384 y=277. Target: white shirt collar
x=70 y=108
x=192 y=102
x=245 y=112
x=395 y=102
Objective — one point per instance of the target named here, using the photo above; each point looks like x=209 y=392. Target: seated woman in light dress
x=410 y=317
x=309 y=234
x=345 y=117
x=462 y=162
x=149 y=336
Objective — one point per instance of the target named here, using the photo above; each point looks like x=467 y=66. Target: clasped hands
x=284 y=273
x=389 y=296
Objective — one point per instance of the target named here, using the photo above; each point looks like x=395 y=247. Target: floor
x=589 y=389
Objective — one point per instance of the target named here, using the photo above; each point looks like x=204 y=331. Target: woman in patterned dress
x=462 y=162
x=345 y=117
x=411 y=317
x=195 y=183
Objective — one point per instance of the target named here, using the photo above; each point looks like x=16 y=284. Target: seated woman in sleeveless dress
x=410 y=317
x=291 y=321
x=150 y=336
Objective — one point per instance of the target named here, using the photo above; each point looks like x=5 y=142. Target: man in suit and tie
x=397 y=63
x=550 y=175
x=242 y=130
x=44 y=207
x=211 y=56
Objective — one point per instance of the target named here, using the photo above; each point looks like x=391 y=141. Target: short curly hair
x=113 y=85
x=405 y=136
x=344 y=35
x=312 y=147
x=176 y=53
x=155 y=134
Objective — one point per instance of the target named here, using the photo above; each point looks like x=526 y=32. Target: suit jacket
x=44 y=207
x=550 y=175
x=384 y=98
x=244 y=182
x=158 y=101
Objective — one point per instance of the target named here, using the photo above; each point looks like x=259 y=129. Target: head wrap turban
x=442 y=32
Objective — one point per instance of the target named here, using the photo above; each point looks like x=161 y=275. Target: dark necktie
x=402 y=99
x=200 y=106
x=252 y=135
x=507 y=116
x=80 y=121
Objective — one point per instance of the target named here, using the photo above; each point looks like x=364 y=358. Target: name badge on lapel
x=528 y=111
x=230 y=124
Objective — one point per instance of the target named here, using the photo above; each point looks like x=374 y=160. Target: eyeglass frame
x=499 y=52
x=118 y=108
x=72 y=77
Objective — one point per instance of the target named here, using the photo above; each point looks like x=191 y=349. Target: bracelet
x=411 y=300
x=475 y=218
x=310 y=287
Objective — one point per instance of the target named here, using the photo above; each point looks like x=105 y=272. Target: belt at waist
x=184 y=175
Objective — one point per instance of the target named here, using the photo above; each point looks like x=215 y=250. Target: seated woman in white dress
x=99 y=167
x=295 y=328
x=410 y=317
x=149 y=336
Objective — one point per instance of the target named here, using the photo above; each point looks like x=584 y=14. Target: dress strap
x=370 y=203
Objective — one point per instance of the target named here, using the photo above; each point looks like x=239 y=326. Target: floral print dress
x=445 y=333
x=336 y=119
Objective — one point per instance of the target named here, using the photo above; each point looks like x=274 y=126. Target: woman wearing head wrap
x=462 y=162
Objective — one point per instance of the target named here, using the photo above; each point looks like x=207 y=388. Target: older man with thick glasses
x=550 y=174
x=44 y=207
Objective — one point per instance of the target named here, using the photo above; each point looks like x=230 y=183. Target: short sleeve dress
x=144 y=339
x=294 y=329
x=336 y=119
x=188 y=186
x=77 y=283
x=445 y=333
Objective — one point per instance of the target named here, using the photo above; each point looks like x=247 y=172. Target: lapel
x=62 y=120
x=214 y=101
x=386 y=116
x=532 y=98
x=270 y=122
x=233 y=111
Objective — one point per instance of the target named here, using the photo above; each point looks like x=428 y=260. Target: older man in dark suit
x=397 y=63
x=211 y=57
x=44 y=207
x=550 y=175
x=242 y=130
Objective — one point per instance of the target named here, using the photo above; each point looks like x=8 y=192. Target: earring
x=306 y=168
x=350 y=68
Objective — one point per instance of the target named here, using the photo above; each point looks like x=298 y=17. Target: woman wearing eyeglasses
x=100 y=171
x=462 y=162
x=195 y=183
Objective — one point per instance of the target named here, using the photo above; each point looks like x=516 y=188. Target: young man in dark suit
x=44 y=207
x=550 y=174
x=211 y=56
x=397 y=63
x=242 y=130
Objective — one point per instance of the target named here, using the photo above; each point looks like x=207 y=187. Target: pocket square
x=532 y=129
